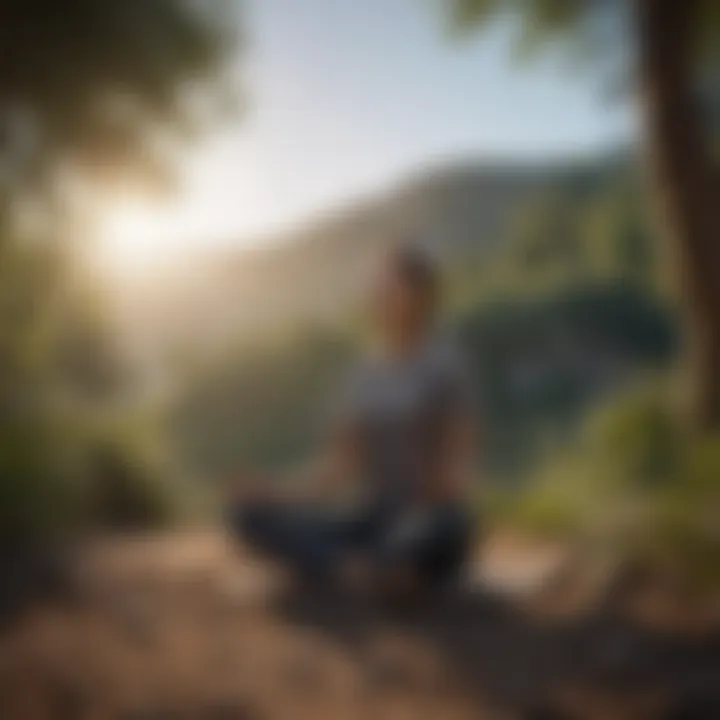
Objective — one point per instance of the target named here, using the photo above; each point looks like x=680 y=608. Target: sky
x=347 y=97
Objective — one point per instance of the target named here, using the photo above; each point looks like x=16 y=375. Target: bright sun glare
x=138 y=238
x=138 y=235
x=135 y=238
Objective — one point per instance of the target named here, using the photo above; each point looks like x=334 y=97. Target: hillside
x=554 y=289
x=314 y=275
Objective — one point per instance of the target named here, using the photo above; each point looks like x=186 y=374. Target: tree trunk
x=686 y=189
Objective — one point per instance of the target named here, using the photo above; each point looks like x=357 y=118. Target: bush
x=61 y=477
x=638 y=484
x=128 y=483
x=687 y=528
x=40 y=492
x=639 y=439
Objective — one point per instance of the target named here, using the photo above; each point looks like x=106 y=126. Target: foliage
x=101 y=83
x=543 y=361
x=38 y=490
x=62 y=376
x=128 y=480
x=637 y=484
x=594 y=26
x=96 y=92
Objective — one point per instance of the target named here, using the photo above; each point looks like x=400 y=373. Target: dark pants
x=314 y=541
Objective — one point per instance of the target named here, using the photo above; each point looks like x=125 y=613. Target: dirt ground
x=185 y=627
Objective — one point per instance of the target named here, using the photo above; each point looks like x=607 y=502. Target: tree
x=100 y=86
x=99 y=92
x=675 y=45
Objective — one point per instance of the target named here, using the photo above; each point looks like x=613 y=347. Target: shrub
x=128 y=482
x=637 y=484
x=60 y=477
x=39 y=489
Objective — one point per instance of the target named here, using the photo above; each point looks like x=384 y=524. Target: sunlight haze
x=344 y=99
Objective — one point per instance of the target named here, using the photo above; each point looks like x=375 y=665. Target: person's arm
x=456 y=416
x=453 y=474
x=333 y=469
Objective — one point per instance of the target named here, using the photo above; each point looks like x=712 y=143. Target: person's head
x=407 y=294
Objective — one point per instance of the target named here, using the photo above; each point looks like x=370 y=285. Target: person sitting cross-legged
x=403 y=436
